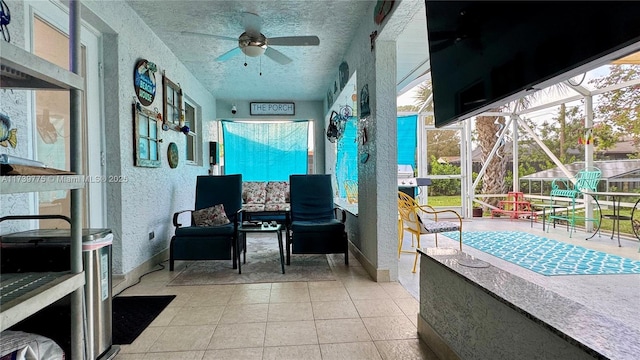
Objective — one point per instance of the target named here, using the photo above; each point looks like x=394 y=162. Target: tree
x=620 y=109
x=488 y=128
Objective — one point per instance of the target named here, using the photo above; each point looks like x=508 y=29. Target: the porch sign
x=272 y=108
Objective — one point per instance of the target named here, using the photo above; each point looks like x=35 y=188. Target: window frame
x=169 y=87
x=192 y=136
x=152 y=120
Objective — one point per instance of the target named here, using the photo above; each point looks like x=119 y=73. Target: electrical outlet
x=152 y=235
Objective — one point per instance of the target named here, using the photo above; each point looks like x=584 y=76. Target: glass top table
x=265 y=227
x=616 y=217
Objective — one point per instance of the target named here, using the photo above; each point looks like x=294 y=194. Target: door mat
x=132 y=314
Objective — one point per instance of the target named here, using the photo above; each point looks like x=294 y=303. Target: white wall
x=149 y=197
x=376 y=235
x=14 y=104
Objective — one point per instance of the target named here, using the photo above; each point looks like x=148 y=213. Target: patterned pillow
x=211 y=216
x=277 y=192
x=253 y=192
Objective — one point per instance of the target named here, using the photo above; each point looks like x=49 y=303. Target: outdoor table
x=616 y=217
x=243 y=229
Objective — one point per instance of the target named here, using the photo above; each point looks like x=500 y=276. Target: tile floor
x=351 y=318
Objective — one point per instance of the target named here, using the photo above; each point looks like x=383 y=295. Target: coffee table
x=243 y=229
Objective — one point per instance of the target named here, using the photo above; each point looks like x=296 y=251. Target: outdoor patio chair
x=315 y=228
x=566 y=192
x=423 y=219
x=210 y=236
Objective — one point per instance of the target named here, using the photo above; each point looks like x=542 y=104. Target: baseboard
x=434 y=341
x=378 y=275
x=121 y=282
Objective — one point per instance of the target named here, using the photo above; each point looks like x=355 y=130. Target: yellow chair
x=422 y=219
x=351 y=188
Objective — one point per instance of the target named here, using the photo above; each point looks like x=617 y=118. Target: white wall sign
x=272 y=108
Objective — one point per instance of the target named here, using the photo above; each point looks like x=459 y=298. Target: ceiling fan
x=253 y=43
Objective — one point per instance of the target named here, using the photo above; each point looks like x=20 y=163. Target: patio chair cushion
x=254 y=192
x=277 y=192
x=330 y=225
x=227 y=229
x=433 y=227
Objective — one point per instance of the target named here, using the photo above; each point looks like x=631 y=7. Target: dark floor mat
x=132 y=314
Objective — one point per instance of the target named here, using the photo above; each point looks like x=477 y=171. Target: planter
x=477 y=212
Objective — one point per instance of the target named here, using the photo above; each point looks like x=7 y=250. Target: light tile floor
x=352 y=318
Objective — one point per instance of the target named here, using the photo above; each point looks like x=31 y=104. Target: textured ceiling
x=313 y=67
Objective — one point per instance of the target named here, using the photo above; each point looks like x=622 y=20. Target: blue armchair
x=314 y=228
x=218 y=242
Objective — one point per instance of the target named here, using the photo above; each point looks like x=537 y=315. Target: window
x=146 y=129
x=191 y=119
x=172 y=102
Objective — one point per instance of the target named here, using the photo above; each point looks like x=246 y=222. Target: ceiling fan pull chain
x=245 y=59
x=261 y=66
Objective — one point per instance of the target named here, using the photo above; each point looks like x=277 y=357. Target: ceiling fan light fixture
x=254 y=50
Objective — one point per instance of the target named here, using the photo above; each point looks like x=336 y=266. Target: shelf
x=23 y=294
x=38 y=183
x=24 y=70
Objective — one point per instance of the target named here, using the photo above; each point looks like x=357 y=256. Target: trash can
x=48 y=250
x=96 y=252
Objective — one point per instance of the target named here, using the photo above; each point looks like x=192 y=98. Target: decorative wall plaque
x=144 y=81
x=272 y=108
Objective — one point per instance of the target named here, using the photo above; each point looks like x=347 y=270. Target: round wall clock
x=172 y=155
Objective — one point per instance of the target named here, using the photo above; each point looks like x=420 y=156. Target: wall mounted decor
x=144 y=81
x=364 y=102
x=172 y=155
x=272 y=108
x=373 y=37
x=5 y=19
x=343 y=71
x=7 y=134
x=171 y=103
x=329 y=99
x=382 y=9
x=146 y=142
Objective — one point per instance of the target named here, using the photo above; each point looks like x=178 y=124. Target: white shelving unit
x=23 y=294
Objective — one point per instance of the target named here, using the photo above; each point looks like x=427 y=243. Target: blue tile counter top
x=483 y=313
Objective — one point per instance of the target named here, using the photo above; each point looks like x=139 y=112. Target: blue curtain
x=407 y=140
x=263 y=151
x=347 y=157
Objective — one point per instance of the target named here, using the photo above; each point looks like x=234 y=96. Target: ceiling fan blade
x=251 y=22
x=208 y=35
x=294 y=41
x=277 y=56
x=229 y=54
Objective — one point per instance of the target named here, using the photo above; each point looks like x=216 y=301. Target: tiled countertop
x=597 y=334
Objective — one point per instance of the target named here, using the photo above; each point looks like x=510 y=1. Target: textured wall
x=376 y=235
x=14 y=103
x=150 y=196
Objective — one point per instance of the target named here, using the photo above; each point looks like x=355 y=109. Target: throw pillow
x=211 y=216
